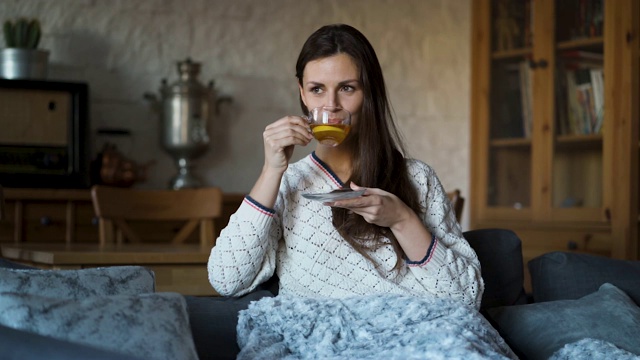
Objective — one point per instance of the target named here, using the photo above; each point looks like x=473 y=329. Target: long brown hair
x=378 y=159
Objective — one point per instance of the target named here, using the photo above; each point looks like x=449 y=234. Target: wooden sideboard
x=66 y=216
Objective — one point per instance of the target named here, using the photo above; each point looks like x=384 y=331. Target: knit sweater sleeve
x=451 y=267
x=244 y=255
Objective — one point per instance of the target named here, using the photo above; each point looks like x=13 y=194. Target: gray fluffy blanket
x=370 y=327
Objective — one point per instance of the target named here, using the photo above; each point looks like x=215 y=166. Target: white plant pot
x=18 y=63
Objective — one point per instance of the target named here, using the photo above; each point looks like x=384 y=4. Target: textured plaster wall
x=123 y=48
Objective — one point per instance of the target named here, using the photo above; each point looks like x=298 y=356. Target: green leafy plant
x=22 y=33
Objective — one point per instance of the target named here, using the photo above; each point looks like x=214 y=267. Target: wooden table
x=178 y=268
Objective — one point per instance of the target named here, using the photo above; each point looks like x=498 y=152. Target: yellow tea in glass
x=329 y=125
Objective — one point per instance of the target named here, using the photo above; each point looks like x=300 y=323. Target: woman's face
x=333 y=81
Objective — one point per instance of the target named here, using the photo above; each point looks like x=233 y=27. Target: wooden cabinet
x=555 y=135
x=37 y=216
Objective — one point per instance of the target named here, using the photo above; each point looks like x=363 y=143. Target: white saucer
x=334 y=195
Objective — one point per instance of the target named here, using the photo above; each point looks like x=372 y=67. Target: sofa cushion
x=150 y=326
x=500 y=255
x=565 y=275
x=78 y=284
x=8 y=264
x=536 y=331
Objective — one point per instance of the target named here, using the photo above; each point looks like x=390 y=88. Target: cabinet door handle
x=572 y=245
x=95 y=221
x=542 y=64
x=45 y=221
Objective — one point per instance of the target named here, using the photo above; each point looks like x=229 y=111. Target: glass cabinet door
x=578 y=146
x=510 y=107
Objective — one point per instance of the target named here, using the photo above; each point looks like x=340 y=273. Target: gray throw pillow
x=569 y=276
x=78 y=284
x=8 y=264
x=536 y=331
x=149 y=326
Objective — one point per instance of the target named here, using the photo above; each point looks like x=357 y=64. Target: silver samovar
x=185 y=109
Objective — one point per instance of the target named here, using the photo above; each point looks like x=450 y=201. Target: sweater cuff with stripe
x=253 y=211
x=431 y=252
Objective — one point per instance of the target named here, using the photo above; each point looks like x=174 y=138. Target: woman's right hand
x=280 y=139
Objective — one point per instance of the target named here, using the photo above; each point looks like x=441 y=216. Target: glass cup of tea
x=330 y=125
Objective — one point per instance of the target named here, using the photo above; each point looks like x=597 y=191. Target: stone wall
x=123 y=48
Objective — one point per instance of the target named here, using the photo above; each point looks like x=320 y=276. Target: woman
x=400 y=237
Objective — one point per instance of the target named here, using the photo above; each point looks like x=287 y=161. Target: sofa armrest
x=500 y=254
x=22 y=345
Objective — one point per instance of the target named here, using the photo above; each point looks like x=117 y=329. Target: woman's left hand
x=376 y=206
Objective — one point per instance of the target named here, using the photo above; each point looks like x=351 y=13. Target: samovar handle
x=219 y=99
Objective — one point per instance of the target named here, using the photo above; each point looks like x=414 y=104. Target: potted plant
x=22 y=59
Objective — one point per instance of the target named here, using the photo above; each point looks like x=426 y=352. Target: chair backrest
x=457 y=202
x=115 y=207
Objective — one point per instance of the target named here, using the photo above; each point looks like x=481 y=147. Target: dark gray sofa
x=555 y=276
x=499 y=251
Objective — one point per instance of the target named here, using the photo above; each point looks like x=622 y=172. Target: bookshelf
x=555 y=134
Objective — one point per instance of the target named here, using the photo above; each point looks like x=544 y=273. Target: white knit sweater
x=298 y=240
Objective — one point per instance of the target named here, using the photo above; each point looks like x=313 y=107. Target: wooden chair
x=457 y=202
x=116 y=207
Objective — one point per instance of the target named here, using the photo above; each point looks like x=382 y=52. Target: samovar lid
x=188 y=69
x=187 y=82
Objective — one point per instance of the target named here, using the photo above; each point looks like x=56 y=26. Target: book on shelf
x=581 y=56
x=580 y=93
x=512 y=101
x=597 y=81
x=584 y=95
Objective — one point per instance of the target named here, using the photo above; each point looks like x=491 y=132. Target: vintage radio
x=44 y=134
